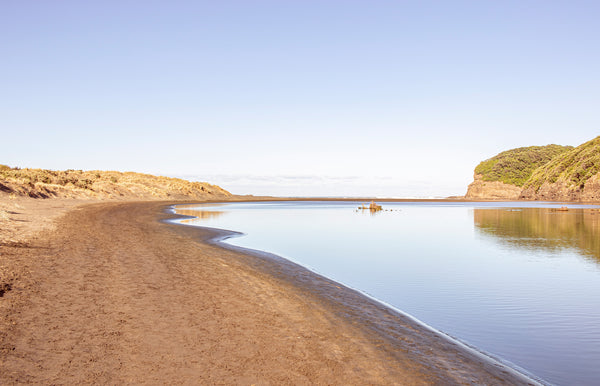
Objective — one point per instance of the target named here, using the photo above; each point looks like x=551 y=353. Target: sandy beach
x=109 y=293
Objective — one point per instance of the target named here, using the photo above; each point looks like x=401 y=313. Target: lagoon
x=517 y=280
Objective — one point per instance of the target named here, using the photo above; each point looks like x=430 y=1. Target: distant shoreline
x=369 y=199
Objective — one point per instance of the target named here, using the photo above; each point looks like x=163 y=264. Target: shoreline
x=113 y=294
x=218 y=237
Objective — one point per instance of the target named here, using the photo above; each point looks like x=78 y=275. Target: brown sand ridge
x=110 y=294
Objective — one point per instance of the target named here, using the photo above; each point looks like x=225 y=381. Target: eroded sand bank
x=110 y=294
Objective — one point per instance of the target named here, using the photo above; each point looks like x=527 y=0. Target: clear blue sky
x=388 y=98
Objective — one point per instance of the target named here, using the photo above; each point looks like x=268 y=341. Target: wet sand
x=111 y=294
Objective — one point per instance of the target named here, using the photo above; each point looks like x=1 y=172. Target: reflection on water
x=198 y=215
x=543 y=228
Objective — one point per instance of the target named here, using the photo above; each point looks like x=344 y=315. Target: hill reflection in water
x=198 y=214
x=543 y=228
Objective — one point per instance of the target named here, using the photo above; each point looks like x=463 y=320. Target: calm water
x=518 y=280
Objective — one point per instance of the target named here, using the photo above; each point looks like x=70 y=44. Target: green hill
x=516 y=166
x=574 y=167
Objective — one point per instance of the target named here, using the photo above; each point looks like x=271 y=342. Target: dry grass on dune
x=95 y=184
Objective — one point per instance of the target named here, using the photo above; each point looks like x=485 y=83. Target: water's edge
x=218 y=237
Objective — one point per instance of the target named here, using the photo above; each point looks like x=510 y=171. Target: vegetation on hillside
x=574 y=167
x=72 y=183
x=516 y=166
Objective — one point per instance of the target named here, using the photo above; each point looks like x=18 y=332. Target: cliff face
x=491 y=190
x=563 y=191
x=591 y=191
x=557 y=191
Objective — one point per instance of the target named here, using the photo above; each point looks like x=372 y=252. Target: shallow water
x=520 y=281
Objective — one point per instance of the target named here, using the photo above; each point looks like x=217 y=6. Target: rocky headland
x=552 y=172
